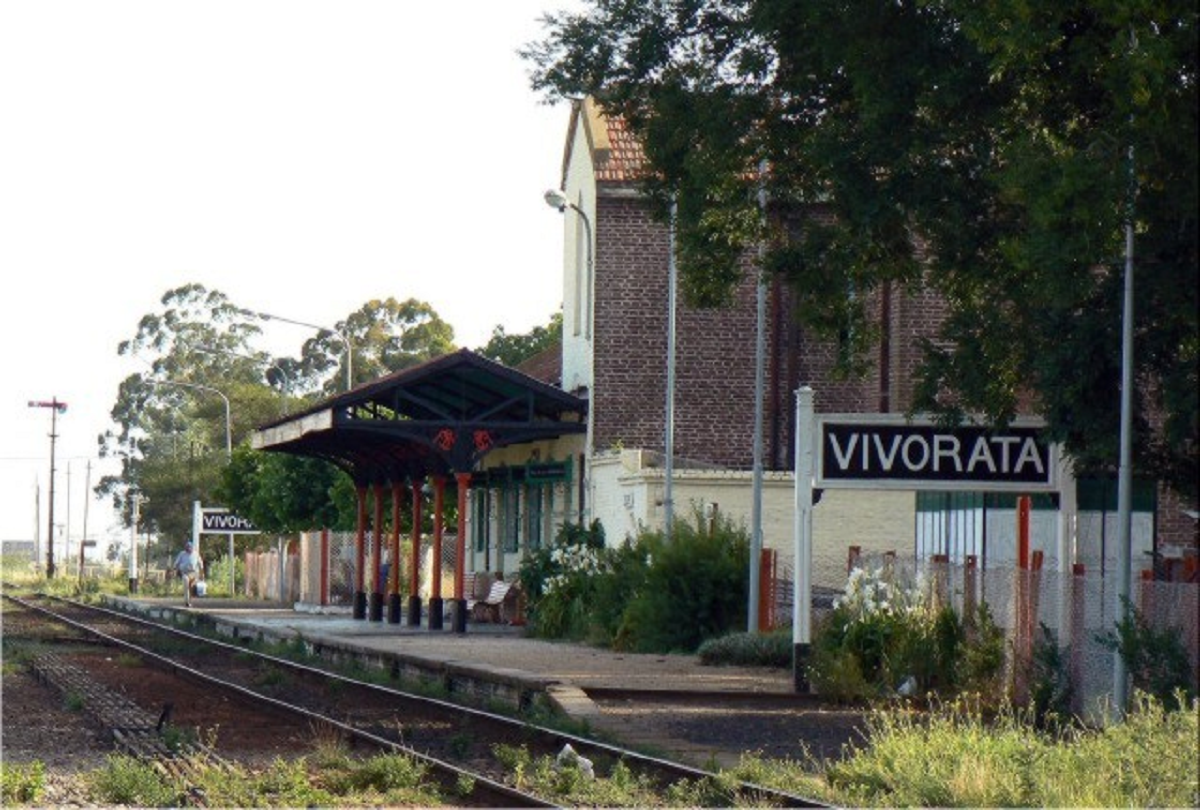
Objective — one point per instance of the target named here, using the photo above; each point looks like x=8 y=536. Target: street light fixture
x=225 y=399
x=555 y=198
x=342 y=335
x=56 y=408
x=287 y=380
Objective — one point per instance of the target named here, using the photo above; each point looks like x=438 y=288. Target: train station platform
x=493 y=660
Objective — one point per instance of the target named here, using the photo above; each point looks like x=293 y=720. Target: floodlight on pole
x=287 y=379
x=211 y=390
x=341 y=333
x=555 y=198
x=56 y=408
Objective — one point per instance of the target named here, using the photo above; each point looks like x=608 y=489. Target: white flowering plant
x=886 y=628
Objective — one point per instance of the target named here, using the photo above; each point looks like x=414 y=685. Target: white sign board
x=882 y=452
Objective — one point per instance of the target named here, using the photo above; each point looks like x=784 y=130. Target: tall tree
x=171 y=422
x=980 y=149
x=385 y=336
x=512 y=350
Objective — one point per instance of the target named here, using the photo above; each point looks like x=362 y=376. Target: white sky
x=301 y=156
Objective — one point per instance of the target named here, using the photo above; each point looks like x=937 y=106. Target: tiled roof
x=545 y=366
x=625 y=159
x=616 y=154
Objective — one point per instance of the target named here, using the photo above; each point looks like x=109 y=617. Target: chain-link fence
x=1075 y=610
x=272 y=575
x=327 y=567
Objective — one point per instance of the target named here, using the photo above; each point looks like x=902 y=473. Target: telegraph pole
x=56 y=408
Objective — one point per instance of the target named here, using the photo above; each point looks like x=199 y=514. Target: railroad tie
x=135 y=730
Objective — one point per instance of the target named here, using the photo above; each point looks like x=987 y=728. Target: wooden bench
x=493 y=607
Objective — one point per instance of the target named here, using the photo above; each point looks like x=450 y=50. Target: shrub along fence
x=1058 y=627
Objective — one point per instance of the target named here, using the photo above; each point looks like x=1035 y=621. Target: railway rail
x=456 y=742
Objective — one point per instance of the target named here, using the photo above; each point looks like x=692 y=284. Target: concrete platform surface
x=490 y=646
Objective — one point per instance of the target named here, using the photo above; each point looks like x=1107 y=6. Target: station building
x=579 y=434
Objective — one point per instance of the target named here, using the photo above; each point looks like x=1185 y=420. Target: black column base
x=360 y=605
x=376 y=607
x=800 y=653
x=436 y=615
x=133 y=584
x=393 y=611
x=414 y=611
x=458 y=615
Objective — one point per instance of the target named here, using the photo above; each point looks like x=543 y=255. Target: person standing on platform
x=189 y=565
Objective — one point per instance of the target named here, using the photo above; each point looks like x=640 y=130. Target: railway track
x=457 y=743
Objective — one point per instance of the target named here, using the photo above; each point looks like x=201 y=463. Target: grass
x=334 y=781
x=955 y=756
x=22 y=783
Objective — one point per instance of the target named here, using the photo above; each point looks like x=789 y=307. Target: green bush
x=646 y=595
x=695 y=589
x=22 y=784
x=773 y=649
x=885 y=630
x=1156 y=660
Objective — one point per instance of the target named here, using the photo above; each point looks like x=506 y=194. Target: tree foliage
x=385 y=336
x=180 y=424
x=982 y=150
x=512 y=350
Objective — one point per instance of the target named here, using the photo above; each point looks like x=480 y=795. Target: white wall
x=580 y=188
x=628 y=496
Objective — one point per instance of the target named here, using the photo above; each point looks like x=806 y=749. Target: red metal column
x=393 y=612
x=463 y=481
x=360 y=539
x=414 y=574
x=436 y=617
x=377 y=556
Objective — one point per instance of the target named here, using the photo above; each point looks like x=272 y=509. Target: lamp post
x=556 y=199
x=287 y=380
x=56 y=408
x=342 y=335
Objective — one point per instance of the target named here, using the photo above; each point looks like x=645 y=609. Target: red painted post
x=969 y=576
x=414 y=574
x=463 y=481
x=414 y=567
x=1023 y=532
x=436 y=604
x=393 y=600
x=394 y=572
x=376 y=604
x=766 y=595
x=459 y=612
x=439 y=525
x=1023 y=643
x=360 y=556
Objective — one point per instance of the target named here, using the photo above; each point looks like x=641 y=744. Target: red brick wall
x=714 y=376
x=714 y=396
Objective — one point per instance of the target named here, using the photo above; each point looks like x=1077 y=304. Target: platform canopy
x=437 y=418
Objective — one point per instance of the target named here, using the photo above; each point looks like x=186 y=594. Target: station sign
x=873 y=452
x=215 y=520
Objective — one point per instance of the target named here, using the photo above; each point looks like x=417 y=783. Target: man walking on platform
x=189 y=565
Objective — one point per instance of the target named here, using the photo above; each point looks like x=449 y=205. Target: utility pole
x=83 y=541
x=56 y=408
x=133 y=542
